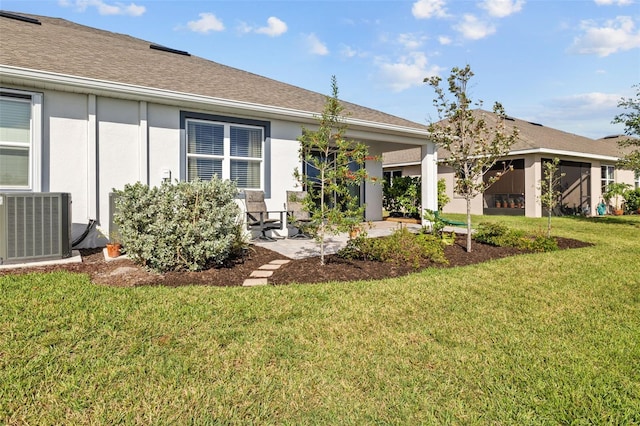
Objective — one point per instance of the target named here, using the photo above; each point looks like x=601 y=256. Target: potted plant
x=114 y=246
x=615 y=191
x=498 y=203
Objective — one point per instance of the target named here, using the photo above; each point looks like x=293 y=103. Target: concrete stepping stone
x=261 y=274
x=253 y=282
x=279 y=262
x=269 y=267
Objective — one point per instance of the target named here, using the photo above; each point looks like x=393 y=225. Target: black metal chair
x=298 y=217
x=258 y=217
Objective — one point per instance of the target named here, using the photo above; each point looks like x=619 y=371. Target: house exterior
x=85 y=111
x=588 y=166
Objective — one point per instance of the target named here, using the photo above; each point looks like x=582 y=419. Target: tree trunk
x=468 y=225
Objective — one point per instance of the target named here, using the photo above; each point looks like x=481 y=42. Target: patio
x=300 y=249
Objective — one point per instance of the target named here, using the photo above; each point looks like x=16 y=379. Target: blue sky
x=562 y=63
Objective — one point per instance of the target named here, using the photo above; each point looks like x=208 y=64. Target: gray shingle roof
x=64 y=47
x=531 y=136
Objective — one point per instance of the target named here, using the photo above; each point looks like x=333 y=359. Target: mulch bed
x=125 y=273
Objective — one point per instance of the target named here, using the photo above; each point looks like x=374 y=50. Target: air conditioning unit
x=34 y=226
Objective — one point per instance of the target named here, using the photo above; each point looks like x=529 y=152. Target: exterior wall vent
x=34 y=226
x=168 y=49
x=19 y=17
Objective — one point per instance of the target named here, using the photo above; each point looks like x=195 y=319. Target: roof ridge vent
x=168 y=49
x=535 y=124
x=19 y=17
x=506 y=117
x=612 y=137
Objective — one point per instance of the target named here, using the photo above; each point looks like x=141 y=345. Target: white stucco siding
x=283 y=160
x=164 y=143
x=118 y=149
x=66 y=146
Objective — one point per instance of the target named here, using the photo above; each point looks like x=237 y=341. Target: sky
x=561 y=63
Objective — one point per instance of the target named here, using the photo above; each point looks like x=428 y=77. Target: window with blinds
x=15 y=141
x=225 y=150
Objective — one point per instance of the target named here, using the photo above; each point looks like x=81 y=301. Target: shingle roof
x=532 y=136
x=63 y=47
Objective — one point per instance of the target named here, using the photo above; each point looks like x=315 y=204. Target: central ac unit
x=34 y=226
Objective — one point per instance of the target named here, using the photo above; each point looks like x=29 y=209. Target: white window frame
x=606 y=180
x=637 y=180
x=393 y=173
x=226 y=156
x=35 y=143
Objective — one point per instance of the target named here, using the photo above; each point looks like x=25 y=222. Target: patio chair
x=258 y=217
x=298 y=217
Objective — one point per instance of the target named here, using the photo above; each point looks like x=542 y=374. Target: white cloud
x=275 y=27
x=103 y=8
x=348 y=51
x=610 y=2
x=208 y=22
x=444 y=40
x=502 y=8
x=315 y=46
x=425 y=9
x=474 y=29
x=616 y=35
x=586 y=114
x=411 y=41
x=407 y=72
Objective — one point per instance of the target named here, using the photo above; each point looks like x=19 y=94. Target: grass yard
x=550 y=338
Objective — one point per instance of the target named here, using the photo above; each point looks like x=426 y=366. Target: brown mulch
x=125 y=273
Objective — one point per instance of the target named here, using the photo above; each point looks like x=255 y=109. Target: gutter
x=129 y=91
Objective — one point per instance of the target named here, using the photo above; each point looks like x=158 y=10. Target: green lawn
x=551 y=338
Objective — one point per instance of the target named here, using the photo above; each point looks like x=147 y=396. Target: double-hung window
x=607 y=177
x=20 y=137
x=227 y=150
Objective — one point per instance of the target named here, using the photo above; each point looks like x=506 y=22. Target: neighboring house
x=84 y=111
x=589 y=165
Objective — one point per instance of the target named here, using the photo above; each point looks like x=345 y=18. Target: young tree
x=473 y=145
x=631 y=121
x=549 y=195
x=334 y=170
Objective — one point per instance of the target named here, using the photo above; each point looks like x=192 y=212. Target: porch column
x=533 y=175
x=429 y=172
x=373 y=191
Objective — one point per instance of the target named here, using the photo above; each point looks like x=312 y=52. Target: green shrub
x=632 y=200
x=403 y=195
x=500 y=235
x=542 y=243
x=443 y=198
x=181 y=226
x=402 y=246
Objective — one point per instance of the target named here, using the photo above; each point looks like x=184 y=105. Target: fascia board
x=559 y=152
x=51 y=80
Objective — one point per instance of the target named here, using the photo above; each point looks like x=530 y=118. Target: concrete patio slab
x=299 y=249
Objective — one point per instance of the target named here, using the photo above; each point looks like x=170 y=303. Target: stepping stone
x=122 y=270
x=253 y=282
x=261 y=274
x=269 y=267
x=279 y=262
